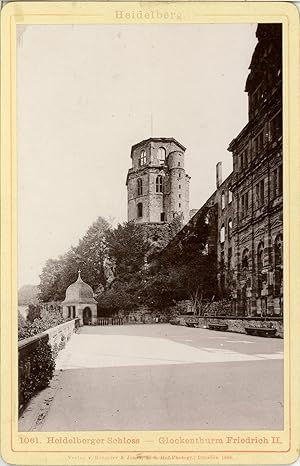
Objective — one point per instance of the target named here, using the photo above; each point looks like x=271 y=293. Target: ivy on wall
x=36 y=368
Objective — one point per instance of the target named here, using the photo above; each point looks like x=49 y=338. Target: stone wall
x=36 y=357
x=58 y=336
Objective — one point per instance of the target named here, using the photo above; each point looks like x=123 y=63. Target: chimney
x=219 y=174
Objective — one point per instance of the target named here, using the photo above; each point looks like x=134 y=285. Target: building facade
x=157 y=184
x=246 y=228
x=257 y=185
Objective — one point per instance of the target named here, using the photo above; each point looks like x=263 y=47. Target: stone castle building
x=157 y=184
x=257 y=184
x=245 y=213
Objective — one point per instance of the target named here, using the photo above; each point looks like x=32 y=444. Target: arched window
x=222 y=233
x=142 y=158
x=161 y=155
x=140 y=186
x=278 y=262
x=229 y=227
x=260 y=266
x=229 y=195
x=140 y=210
x=245 y=259
x=159 y=184
x=223 y=200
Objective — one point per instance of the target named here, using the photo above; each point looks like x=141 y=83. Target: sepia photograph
x=150 y=229
x=149 y=198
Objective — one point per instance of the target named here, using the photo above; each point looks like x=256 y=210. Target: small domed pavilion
x=80 y=302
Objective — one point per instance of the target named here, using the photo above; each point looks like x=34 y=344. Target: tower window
x=229 y=227
x=159 y=184
x=222 y=233
x=179 y=205
x=162 y=217
x=223 y=200
x=140 y=186
x=142 y=158
x=179 y=175
x=179 y=187
x=178 y=164
x=179 y=195
x=161 y=155
x=140 y=210
x=229 y=195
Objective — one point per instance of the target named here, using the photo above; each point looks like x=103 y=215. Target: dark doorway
x=87 y=316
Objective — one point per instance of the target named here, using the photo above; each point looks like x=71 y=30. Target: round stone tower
x=157 y=185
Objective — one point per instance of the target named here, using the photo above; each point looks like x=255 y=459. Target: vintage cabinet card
x=149 y=233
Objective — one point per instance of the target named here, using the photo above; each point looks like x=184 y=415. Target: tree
x=89 y=256
x=34 y=312
x=185 y=269
x=127 y=248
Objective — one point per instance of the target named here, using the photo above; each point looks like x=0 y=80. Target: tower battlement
x=157 y=184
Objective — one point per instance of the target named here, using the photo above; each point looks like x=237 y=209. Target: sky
x=86 y=94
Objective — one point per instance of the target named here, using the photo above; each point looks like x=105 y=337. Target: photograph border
x=34 y=452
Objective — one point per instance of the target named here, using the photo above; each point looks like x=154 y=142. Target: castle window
x=159 y=184
x=278 y=261
x=276 y=127
x=223 y=200
x=142 y=158
x=244 y=160
x=162 y=217
x=274 y=183
x=179 y=205
x=229 y=227
x=179 y=187
x=262 y=192
x=179 y=175
x=245 y=204
x=258 y=143
x=229 y=195
x=161 y=155
x=257 y=195
x=229 y=258
x=260 y=265
x=179 y=195
x=140 y=186
x=222 y=233
x=140 y=210
x=178 y=164
x=245 y=259
x=280 y=180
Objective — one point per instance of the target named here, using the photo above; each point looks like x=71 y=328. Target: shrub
x=22 y=326
x=44 y=320
x=36 y=368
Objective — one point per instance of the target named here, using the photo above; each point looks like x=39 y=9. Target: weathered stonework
x=152 y=199
x=257 y=185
